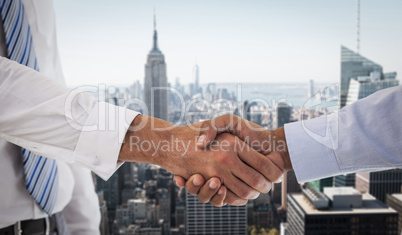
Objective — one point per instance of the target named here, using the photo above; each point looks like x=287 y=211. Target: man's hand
x=241 y=169
x=270 y=143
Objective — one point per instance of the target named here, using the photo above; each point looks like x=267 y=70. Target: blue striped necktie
x=41 y=176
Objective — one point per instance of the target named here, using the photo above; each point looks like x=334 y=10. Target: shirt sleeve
x=45 y=117
x=365 y=136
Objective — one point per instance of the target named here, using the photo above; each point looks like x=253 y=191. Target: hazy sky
x=104 y=41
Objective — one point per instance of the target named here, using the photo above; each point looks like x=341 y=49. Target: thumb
x=208 y=133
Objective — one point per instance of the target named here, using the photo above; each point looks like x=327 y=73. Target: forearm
x=143 y=138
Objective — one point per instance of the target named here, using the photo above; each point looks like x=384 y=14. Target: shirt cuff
x=311 y=148
x=101 y=138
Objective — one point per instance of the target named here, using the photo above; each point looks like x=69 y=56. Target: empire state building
x=155 y=82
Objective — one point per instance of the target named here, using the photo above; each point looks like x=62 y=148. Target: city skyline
x=230 y=41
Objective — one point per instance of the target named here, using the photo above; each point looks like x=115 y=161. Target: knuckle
x=244 y=194
x=263 y=163
x=223 y=158
x=216 y=203
x=257 y=181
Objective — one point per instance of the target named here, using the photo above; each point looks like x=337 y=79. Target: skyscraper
x=364 y=86
x=283 y=114
x=110 y=191
x=395 y=202
x=155 y=82
x=196 y=72
x=208 y=220
x=354 y=65
x=310 y=92
x=347 y=180
x=379 y=184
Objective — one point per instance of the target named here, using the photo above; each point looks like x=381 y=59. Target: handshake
x=226 y=160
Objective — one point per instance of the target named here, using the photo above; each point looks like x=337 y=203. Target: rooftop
x=370 y=205
x=397 y=196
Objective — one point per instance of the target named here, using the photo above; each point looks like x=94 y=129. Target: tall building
x=354 y=65
x=208 y=220
x=339 y=211
x=310 y=92
x=347 y=180
x=283 y=114
x=136 y=210
x=155 y=82
x=111 y=195
x=379 y=184
x=364 y=86
x=104 y=223
x=321 y=183
x=164 y=204
x=196 y=72
x=395 y=202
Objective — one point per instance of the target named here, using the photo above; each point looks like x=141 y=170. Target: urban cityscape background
x=142 y=199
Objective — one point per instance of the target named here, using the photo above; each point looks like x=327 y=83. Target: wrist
x=143 y=140
x=283 y=147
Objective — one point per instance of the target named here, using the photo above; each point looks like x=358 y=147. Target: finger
x=207 y=134
x=241 y=189
x=194 y=183
x=209 y=189
x=211 y=128
x=257 y=163
x=218 y=199
x=179 y=181
x=247 y=131
x=234 y=200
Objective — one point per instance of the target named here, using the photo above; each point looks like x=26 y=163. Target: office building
x=364 y=86
x=180 y=213
x=122 y=216
x=321 y=183
x=164 y=205
x=104 y=223
x=196 y=72
x=209 y=220
x=155 y=82
x=283 y=114
x=379 y=184
x=354 y=65
x=347 y=180
x=395 y=202
x=110 y=191
x=340 y=210
x=136 y=210
x=310 y=91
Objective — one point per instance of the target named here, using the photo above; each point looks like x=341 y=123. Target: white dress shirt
x=365 y=136
x=44 y=120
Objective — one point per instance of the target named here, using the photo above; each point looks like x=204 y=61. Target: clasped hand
x=239 y=159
